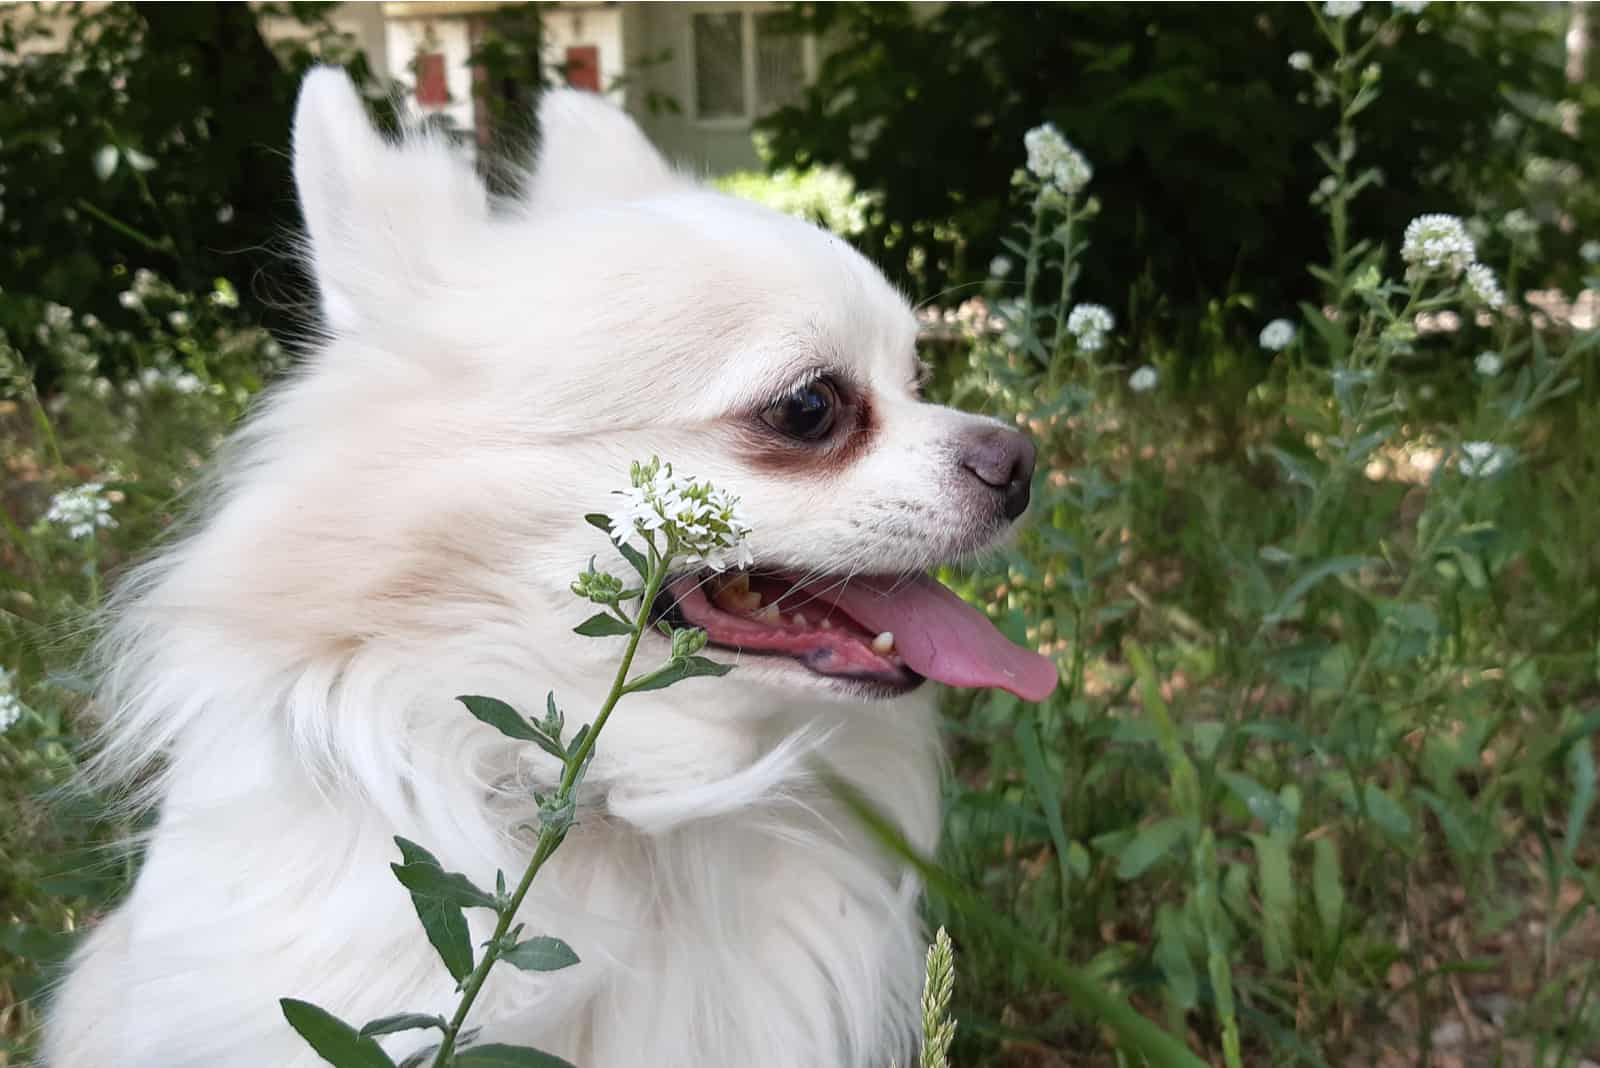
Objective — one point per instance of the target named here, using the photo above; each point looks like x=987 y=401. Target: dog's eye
x=807 y=414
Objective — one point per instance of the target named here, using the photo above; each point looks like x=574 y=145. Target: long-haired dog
x=399 y=523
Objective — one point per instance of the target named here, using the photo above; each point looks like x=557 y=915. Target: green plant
x=1287 y=665
x=1190 y=112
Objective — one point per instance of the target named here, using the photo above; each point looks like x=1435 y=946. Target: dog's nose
x=1003 y=460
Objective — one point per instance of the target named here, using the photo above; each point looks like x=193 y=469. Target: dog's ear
x=590 y=152
x=376 y=213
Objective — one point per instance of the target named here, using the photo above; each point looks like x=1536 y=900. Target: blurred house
x=695 y=76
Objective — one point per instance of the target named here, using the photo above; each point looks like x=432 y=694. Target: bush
x=1193 y=118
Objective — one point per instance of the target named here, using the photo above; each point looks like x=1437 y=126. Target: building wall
x=704 y=147
x=450 y=35
x=598 y=26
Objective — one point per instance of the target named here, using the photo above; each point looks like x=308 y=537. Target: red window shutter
x=583 y=67
x=433 y=90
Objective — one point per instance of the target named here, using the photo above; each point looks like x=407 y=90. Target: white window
x=744 y=65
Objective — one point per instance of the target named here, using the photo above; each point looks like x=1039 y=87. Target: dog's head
x=490 y=369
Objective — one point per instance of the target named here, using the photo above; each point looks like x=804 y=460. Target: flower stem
x=553 y=833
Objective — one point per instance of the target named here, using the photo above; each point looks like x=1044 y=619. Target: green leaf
x=1172 y=957
x=501 y=716
x=422 y=874
x=334 y=1040
x=1301 y=586
x=1262 y=803
x=1327 y=885
x=1580 y=769
x=629 y=553
x=442 y=919
x=505 y=719
x=602 y=625
x=1049 y=792
x=497 y=1056
x=403 y=1021
x=1148 y=846
x=1275 y=882
x=542 y=954
x=688 y=668
x=1385 y=811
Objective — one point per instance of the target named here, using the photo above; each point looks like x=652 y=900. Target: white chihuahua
x=399 y=524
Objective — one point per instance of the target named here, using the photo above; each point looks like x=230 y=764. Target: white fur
x=398 y=524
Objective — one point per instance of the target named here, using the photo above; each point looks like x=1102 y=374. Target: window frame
x=753 y=108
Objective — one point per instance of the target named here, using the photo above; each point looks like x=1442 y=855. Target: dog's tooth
x=883 y=644
x=738 y=582
x=825 y=625
x=769 y=614
x=800 y=619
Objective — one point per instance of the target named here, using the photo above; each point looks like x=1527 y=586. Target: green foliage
x=1323 y=684
x=823 y=195
x=148 y=134
x=1189 y=112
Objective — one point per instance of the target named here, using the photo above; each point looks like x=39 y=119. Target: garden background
x=1316 y=522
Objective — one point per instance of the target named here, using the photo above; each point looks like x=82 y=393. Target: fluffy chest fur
x=720 y=921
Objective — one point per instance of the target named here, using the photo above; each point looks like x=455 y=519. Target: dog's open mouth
x=889 y=632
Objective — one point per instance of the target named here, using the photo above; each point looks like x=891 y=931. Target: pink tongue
x=940 y=636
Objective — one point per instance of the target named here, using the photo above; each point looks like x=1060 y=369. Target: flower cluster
x=1488 y=364
x=1481 y=459
x=1144 y=379
x=1300 y=60
x=1277 y=335
x=1484 y=287
x=10 y=703
x=82 y=510
x=1089 y=324
x=1410 y=7
x=1590 y=252
x=1518 y=223
x=1437 y=243
x=1055 y=162
x=1341 y=9
x=700 y=522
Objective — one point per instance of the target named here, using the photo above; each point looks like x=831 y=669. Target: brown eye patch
x=818 y=427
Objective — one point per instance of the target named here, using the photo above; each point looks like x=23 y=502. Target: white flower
x=1488 y=364
x=187 y=383
x=1341 y=9
x=1484 y=286
x=1300 y=60
x=1144 y=379
x=1590 y=251
x=10 y=711
x=1055 y=162
x=1519 y=223
x=1481 y=459
x=225 y=214
x=1000 y=266
x=57 y=315
x=1089 y=324
x=179 y=320
x=129 y=299
x=144 y=281
x=1410 y=7
x=704 y=523
x=81 y=510
x=1438 y=242
x=1277 y=335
